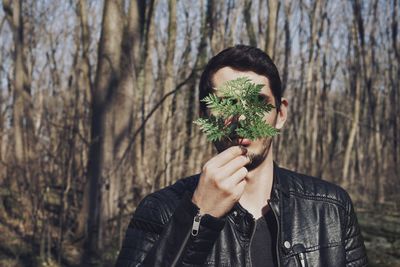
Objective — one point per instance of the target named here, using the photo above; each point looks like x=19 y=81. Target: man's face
x=257 y=149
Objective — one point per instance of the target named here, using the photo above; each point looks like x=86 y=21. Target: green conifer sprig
x=240 y=98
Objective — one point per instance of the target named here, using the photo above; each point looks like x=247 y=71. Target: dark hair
x=242 y=58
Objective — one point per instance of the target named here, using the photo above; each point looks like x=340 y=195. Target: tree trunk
x=84 y=86
x=247 y=14
x=273 y=11
x=143 y=168
x=101 y=154
x=21 y=88
x=395 y=92
x=357 y=102
x=288 y=14
x=318 y=26
x=310 y=87
x=167 y=112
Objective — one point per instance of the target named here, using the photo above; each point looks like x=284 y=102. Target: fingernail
x=244 y=150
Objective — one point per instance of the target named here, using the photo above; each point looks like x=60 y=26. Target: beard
x=256 y=158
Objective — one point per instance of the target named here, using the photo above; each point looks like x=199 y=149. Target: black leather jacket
x=317 y=226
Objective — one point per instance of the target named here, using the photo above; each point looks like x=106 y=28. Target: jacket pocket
x=300 y=254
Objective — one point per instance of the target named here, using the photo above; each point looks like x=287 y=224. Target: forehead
x=227 y=73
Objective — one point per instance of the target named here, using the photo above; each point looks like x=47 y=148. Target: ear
x=282 y=114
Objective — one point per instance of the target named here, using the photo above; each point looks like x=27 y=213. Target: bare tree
x=103 y=130
x=167 y=112
x=21 y=83
x=271 y=36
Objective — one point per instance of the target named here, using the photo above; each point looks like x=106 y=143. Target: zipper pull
x=299 y=249
x=302 y=259
x=196 y=224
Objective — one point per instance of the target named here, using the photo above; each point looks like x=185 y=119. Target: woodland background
x=97 y=100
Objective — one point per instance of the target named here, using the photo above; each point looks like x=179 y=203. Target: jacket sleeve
x=354 y=243
x=154 y=238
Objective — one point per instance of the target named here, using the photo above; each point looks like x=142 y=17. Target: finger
x=235 y=164
x=227 y=155
x=239 y=189
x=237 y=184
x=238 y=176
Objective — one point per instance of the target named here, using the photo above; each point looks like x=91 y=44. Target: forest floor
x=14 y=248
x=381 y=233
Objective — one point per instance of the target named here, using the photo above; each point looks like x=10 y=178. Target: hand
x=222 y=182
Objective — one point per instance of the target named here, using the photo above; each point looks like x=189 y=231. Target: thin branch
x=149 y=115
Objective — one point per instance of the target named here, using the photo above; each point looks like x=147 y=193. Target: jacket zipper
x=196 y=224
x=193 y=232
x=277 y=235
x=251 y=238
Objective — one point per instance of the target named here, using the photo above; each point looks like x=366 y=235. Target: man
x=244 y=210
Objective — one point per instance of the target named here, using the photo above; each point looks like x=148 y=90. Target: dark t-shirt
x=263 y=244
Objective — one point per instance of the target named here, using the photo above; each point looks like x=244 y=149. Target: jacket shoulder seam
x=318 y=198
x=145 y=225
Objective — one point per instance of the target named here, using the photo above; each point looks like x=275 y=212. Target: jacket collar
x=279 y=179
x=240 y=212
